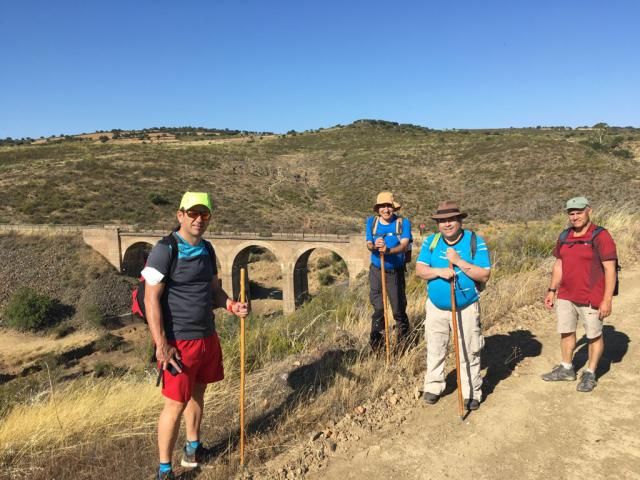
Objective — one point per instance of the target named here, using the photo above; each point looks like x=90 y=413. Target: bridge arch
x=134 y=258
x=242 y=258
x=301 y=290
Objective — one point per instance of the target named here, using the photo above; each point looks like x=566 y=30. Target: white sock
x=589 y=370
x=568 y=366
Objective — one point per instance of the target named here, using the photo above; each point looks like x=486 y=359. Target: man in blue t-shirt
x=389 y=234
x=461 y=256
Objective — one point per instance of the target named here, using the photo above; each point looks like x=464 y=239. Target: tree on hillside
x=600 y=130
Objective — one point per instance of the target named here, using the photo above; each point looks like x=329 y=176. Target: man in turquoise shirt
x=461 y=256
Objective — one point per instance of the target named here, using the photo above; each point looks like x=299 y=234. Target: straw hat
x=386 y=198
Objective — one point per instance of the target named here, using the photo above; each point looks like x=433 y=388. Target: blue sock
x=192 y=446
x=165 y=467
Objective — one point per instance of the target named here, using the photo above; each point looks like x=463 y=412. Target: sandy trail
x=526 y=428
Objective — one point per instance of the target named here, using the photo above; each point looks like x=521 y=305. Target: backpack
x=137 y=296
x=474 y=248
x=563 y=240
x=374 y=230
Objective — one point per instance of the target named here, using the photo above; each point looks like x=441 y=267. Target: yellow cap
x=191 y=199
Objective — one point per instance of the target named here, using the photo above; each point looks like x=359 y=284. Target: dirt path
x=526 y=428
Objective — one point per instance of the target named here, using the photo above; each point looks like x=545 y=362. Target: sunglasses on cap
x=198 y=213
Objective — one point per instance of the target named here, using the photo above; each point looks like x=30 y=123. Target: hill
x=323 y=180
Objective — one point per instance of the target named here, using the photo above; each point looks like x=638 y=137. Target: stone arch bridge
x=291 y=251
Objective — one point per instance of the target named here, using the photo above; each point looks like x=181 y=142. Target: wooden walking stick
x=242 y=300
x=384 y=306
x=454 y=324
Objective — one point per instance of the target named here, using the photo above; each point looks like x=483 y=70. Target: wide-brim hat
x=384 y=198
x=191 y=199
x=448 y=209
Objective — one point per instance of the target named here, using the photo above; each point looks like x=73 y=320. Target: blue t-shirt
x=439 y=289
x=391 y=239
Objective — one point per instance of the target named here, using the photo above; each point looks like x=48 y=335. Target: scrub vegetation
x=304 y=368
x=78 y=400
x=323 y=180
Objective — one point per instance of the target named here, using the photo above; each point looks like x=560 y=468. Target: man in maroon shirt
x=583 y=277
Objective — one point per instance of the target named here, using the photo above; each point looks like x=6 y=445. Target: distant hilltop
x=188 y=133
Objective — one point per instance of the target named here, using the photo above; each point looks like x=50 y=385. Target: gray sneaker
x=587 y=382
x=430 y=398
x=559 y=373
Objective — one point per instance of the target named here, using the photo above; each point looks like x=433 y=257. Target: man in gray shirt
x=181 y=290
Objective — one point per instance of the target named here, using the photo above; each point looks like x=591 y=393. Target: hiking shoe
x=587 y=382
x=192 y=459
x=430 y=398
x=472 y=404
x=166 y=475
x=559 y=374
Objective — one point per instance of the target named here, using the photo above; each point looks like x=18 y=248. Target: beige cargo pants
x=437 y=326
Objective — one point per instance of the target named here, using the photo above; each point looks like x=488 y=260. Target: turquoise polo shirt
x=439 y=289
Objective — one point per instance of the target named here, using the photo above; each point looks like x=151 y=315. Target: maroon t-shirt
x=582 y=272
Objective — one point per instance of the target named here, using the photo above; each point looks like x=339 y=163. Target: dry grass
x=286 y=398
x=21 y=348
x=78 y=413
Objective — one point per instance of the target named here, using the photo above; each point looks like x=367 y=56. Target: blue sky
x=80 y=66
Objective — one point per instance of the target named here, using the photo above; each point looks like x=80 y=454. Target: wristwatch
x=554 y=290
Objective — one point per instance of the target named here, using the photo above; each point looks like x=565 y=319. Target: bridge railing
x=138 y=230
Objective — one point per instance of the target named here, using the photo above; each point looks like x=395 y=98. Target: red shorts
x=202 y=360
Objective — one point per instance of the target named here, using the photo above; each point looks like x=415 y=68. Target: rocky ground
x=525 y=428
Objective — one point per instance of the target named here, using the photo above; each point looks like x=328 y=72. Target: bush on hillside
x=325 y=278
x=30 y=310
x=158 y=199
x=90 y=315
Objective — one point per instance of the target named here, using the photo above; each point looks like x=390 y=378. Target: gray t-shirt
x=187 y=302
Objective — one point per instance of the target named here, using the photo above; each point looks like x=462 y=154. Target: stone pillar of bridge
x=288 y=289
x=356 y=267
x=105 y=241
x=226 y=276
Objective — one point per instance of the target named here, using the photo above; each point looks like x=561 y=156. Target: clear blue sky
x=79 y=66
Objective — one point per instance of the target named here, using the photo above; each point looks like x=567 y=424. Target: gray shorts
x=568 y=314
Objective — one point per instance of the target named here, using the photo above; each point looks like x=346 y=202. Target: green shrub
x=325 y=278
x=339 y=268
x=104 y=369
x=64 y=330
x=91 y=315
x=29 y=310
x=623 y=153
x=158 y=199
x=323 y=262
x=108 y=342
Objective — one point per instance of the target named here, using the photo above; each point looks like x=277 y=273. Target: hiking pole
x=384 y=306
x=454 y=324
x=242 y=300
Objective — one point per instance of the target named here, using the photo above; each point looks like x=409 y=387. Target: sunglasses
x=198 y=213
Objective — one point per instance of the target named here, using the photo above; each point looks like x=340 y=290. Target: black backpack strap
x=563 y=236
x=398 y=226
x=594 y=234
x=172 y=242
